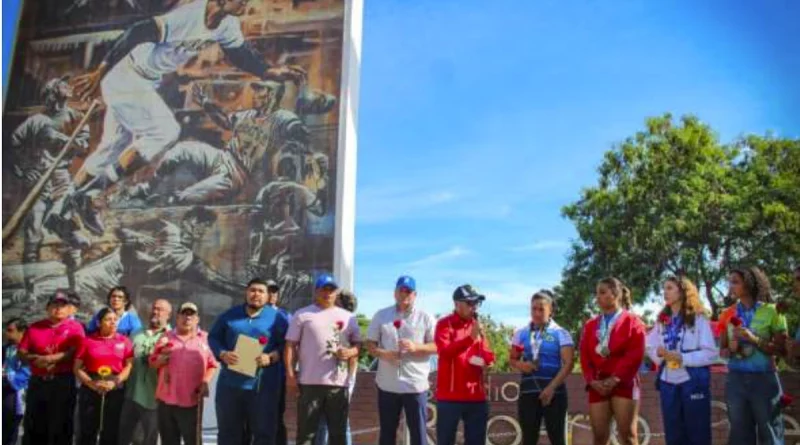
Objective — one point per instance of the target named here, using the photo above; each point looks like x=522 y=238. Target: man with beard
x=140 y=404
x=243 y=401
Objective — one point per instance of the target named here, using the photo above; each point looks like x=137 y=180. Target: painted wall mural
x=199 y=142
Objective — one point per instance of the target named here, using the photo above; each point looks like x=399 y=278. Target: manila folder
x=248 y=349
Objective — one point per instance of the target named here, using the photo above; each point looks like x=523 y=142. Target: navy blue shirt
x=268 y=323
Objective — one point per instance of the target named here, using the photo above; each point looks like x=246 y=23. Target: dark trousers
x=49 y=410
x=91 y=408
x=176 y=423
x=531 y=413
x=754 y=410
x=240 y=410
x=134 y=415
x=11 y=420
x=475 y=416
x=686 y=411
x=415 y=407
x=317 y=402
x=282 y=438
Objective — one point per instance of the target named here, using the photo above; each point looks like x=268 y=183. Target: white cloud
x=541 y=245
x=440 y=257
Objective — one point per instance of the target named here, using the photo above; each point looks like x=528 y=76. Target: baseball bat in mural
x=220 y=154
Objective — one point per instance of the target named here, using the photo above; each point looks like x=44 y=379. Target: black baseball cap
x=468 y=294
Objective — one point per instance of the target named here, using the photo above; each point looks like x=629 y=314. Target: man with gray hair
x=140 y=407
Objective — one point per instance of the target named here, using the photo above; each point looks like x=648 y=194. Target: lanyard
x=672 y=332
x=746 y=315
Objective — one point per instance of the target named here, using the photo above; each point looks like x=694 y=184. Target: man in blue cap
x=322 y=338
x=401 y=337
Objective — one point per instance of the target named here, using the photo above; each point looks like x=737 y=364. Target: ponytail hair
x=620 y=291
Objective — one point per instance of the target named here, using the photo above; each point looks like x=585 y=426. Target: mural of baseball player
x=217 y=174
x=138 y=123
x=35 y=144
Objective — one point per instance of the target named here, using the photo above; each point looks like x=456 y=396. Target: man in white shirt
x=401 y=337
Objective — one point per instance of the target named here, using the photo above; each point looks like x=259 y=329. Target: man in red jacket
x=464 y=356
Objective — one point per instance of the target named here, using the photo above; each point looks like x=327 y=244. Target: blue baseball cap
x=324 y=280
x=406 y=282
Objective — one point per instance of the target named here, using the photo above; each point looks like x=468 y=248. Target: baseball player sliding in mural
x=138 y=124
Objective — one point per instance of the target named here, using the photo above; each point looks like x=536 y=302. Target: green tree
x=499 y=337
x=673 y=200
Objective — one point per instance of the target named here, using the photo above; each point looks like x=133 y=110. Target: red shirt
x=626 y=346
x=189 y=360
x=457 y=379
x=113 y=352
x=46 y=338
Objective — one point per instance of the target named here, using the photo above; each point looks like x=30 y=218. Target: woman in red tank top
x=612 y=351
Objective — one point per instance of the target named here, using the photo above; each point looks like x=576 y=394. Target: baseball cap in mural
x=406 y=282
x=188 y=306
x=325 y=280
x=467 y=293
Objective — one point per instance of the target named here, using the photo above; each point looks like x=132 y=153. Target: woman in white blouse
x=682 y=345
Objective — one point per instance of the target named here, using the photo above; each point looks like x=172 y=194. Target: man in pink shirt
x=49 y=347
x=321 y=339
x=186 y=366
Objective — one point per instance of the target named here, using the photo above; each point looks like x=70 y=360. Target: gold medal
x=671 y=364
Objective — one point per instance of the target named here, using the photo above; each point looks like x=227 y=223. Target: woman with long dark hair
x=612 y=350
x=544 y=353
x=119 y=300
x=753 y=335
x=682 y=345
x=102 y=365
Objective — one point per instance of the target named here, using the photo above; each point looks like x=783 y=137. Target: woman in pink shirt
x=186 y=366
x=102 y=365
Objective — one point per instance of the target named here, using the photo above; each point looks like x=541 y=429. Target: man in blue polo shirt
x=244 y=402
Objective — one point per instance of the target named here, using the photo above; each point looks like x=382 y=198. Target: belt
x=49 y=377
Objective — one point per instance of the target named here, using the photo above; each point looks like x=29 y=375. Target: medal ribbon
x=537 y=337
x=672 y=333
x=604 y=327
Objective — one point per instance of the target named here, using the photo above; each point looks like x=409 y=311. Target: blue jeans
x=686 y=409
x=322 y=431
x=754 y=410
x=475 y=416
x=239 y=409
x=415 y=406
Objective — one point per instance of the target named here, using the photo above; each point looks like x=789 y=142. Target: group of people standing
x=156 y=377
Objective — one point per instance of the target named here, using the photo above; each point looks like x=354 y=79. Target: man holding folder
x=247 y=340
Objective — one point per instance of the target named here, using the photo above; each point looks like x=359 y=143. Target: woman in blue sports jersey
x=543 y=352
x=119 y=300
x=682 y=345
x=753 y=335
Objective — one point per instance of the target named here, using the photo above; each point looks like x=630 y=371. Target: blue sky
x=479 y=120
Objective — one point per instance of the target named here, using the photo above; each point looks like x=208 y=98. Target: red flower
x=664 y=319
x=339 y=325
x=518 y=348
x=786 y=400
x=782 y=307
x=736 y=321
x=263 y=340
x=398 y=324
